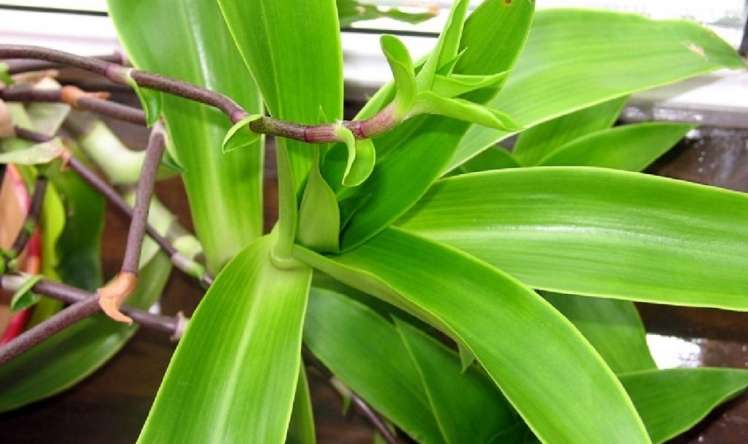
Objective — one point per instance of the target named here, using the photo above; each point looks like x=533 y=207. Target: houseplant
x=364 y=218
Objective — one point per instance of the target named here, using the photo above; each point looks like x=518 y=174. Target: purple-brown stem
x=38 y=333
x=77 y=99
x=32 y=217
x=18 y=66
x=114 y=198
x=367 y=412
x=323 y=133
x=116 y=292
x=144 y=192
x=83 y=304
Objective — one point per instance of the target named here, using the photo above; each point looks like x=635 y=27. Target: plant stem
x=76 y=98
x=70 y=295
x=366 y=411
x=32 y=218
x=25 y=65
x=119 y=203
x=154 y=153
x=361 y=129
x=49 y=327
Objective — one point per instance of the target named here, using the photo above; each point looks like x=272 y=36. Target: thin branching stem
x=32 y=217
x=144 y=192
x=77 y=98
x=100 y=185
x=19 y=66
x=70 y=295
x=323 y=133
x=35 y=335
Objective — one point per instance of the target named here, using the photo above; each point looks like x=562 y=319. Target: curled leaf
x=361 y=158
x=150 y=100
x=240 y=136
x=430 y=103
x=38 y=154
x=455 y=85
x=319 y=215
x=447 y=47
x=403 y=72
x=23 y=296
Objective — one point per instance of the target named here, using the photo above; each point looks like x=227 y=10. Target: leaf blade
x=559 y=232
x=189 y=407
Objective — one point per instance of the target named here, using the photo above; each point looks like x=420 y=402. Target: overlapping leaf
x=644 y=238
x=194 y=45
x=236 y=383
x=469 y=300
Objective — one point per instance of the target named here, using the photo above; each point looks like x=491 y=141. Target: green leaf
x=319 y=215
x=628 y=147
x=292 y=48
x=52 y=223
x=613 y=327
x=644 y=238
x=241 y=136
x=79 y=246
x=472 y=302
x=210 y=393
x=73 y=354
x=194 y=45
x=361 y=158
x=417 y=382
x=672 y=401
x=301 y=428
x=596 y=56
x=37 y=154
x=413 y=155
x=403 y=72
x=490 y=159
x=5 y=77
x=150 y=100
x=447 y=46
x=23 y=296
x=539 y=141
x=455 y=85
x=431 y=103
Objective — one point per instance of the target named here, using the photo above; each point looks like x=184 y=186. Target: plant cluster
x=456 y=291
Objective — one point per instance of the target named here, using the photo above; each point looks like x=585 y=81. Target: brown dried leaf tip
x=115 y=293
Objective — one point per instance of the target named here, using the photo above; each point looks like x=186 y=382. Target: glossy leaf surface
x=233 y=375
x=596 y=56
x=301 y=429
x=194 y=45
x=672 y=401
x=644 y=238
x=628 y=147
x=539 y=141
x=417 y=382
x=469 y=301
x=613 y=327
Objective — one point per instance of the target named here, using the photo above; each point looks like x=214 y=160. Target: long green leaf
x=500 y=321
x=292 y=48
x=613 y=327
x=301 y=427
x=596 y=56
x=417 y=382
x=597 y=232
x=538 y=141
x=71 y=355
x=628 y=147
x=234 y=373
x=672 y=401
x=189 y=40
x=413 y=155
